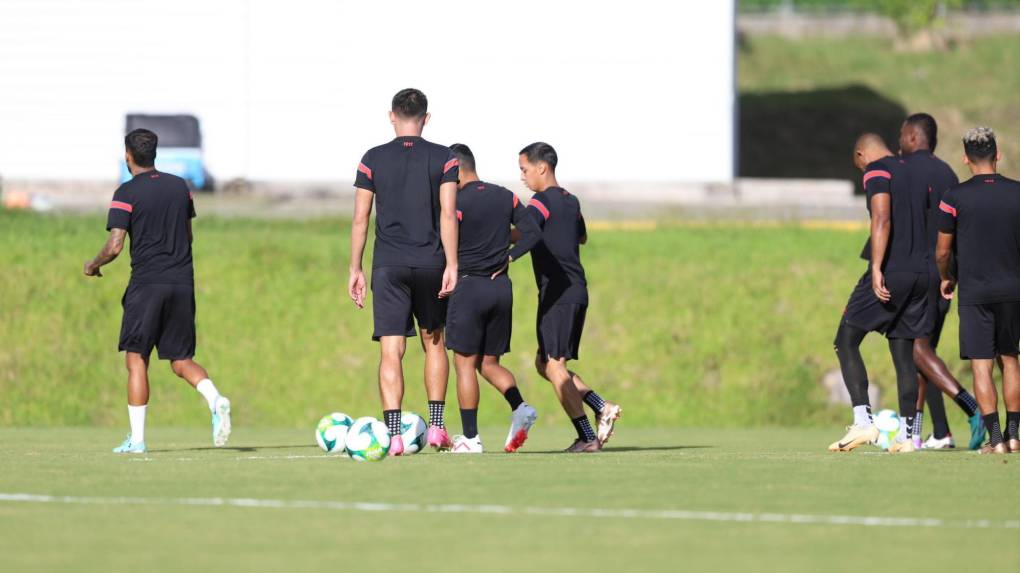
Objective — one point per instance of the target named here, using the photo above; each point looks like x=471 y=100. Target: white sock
x=862 y=416
x=136 y=415
x=207 y=389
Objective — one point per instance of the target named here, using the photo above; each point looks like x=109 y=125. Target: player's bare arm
x=880 y=228
x=942 y=251
x=448 y=232
x=114 y=245
x=363 y=199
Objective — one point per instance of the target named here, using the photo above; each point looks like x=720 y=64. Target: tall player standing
x=562 y=295
x=413 y=183
x=155 y=210
x=931 y=176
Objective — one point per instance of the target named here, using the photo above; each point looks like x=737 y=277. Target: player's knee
x=178 y=367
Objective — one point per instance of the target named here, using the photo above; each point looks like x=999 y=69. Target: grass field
x=702 y=326
x=726 y=500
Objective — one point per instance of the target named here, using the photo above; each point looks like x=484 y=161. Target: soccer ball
x=412 y=430
x=888 y=424
x=331 y=433
x=368 y=440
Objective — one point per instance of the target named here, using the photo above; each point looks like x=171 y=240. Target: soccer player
x=891 y=296
x=414 y=267
x=562 y=295
x=155 y=210
x=480 y=314
x=982 y=216
x=931 y=176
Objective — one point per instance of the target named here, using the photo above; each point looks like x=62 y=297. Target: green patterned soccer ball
x=888 y=424
x=368 y=440
x=412 y=430
x=331 y=433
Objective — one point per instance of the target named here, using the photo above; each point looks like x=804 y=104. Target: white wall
x=636 y=90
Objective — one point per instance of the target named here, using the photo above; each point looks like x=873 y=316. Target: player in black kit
x=982 y=216
x=478 y=322
x=562 y=295
x=155 y=210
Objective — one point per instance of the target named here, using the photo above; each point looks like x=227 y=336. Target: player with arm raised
x=481 y=308
x=413 y=184
x=155 y=210
x=982 y=217
x=562 y=295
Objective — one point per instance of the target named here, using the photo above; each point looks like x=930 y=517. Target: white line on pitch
x=293 y=457
x=663 y=514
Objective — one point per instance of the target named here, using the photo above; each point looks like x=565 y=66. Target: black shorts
x=902 y=317
x=480 y=316
x=989 y=330
x=402 y=294
x=936 y=311
x=559 y=330
x=160 y=315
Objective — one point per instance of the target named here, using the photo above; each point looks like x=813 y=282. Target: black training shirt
x=557 y=257
x=984 y=213
x=405 y=175
x=908 y=245
x=934 y=177
x=154 y=208
x=485 y=212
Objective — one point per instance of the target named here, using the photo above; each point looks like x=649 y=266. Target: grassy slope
x=782 y=471
x=695 y=326
x=977 y=83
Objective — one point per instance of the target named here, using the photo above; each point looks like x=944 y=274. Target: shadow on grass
x=810 y=134
x=624 y=449
x=232 y=448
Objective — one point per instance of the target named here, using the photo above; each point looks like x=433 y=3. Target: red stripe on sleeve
x=121 y=205
x=364 y=169
x=541 y=208
x=947 y=208
x=460 y=215
x=517 y=200
x=450 y=164
x=876 y=173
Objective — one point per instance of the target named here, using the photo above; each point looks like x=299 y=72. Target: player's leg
x=606 y=412
x=437 y=373
x=138 y=400
x=466 y=366
x=570 y=400
x=988 y=400
x=394 y=322
x=855 y=376
x=391 y=386
x=1011 y=396
x=902 y=353
x=919 y=411
x=978 y=344
x=219 y=405
x=935 y=371
x=522 y=414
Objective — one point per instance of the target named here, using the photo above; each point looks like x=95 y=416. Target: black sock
x=513 y=397
x=392 y=420
x=584 y=431
x=994 y=431
x=966 y=402
x=469 y=422
x=594 y=401
x=908 y=425
x=436 y=408
x=937 y=413
x=1012 y=425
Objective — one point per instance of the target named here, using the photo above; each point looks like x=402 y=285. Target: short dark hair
x=465 y=158
x=541 y=151
x=141 y=144
x=926 y=123
x=979 y=144
x=410 y=103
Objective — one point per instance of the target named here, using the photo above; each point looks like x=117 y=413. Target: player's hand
x=449 y=282
x=947 y=287
x=878 y=285
x=92 y=269
x=502 y=269
x=356 y=287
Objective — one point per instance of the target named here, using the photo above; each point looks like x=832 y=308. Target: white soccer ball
x=331 y=433
x=412 y=430
x=368 y=440
x=888 y=424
